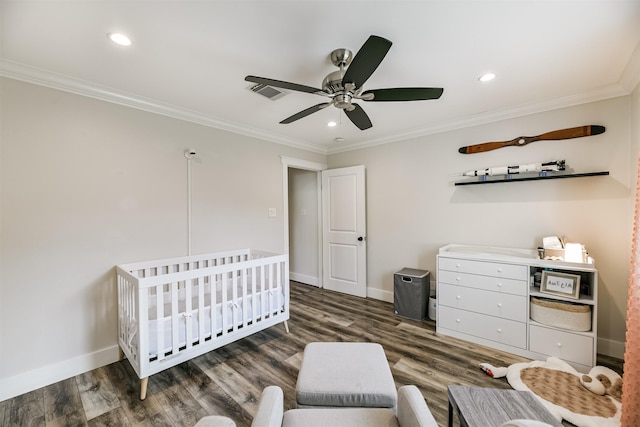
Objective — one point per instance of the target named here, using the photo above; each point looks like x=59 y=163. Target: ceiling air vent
x=267 y=91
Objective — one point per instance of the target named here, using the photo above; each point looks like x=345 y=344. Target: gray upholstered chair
x=412 y=411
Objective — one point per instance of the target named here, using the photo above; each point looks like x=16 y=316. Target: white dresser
x=484 y=297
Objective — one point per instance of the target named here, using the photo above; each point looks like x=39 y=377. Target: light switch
x=272 y=212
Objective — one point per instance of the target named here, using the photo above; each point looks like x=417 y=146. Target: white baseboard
x=611 y=348
x=41 y=377
x=380 y=294
x=304 y=278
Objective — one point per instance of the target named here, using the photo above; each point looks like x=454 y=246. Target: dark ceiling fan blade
x=284 y=85
x=403 y=94
x=305 y=113
x=366 y=60
x=359 y=117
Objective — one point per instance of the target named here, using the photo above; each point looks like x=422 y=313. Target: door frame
x=293 y=163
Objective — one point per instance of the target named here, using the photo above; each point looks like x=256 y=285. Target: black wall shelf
x=533 y=178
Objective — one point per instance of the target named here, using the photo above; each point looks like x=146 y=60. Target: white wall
x=86 y=185
x=303 y=226
x=413 y=208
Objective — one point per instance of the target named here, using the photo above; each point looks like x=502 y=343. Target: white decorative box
x=559 y=314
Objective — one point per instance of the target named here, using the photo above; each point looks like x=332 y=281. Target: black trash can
x=411 y=293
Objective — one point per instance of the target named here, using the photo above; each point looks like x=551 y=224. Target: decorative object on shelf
x=577 y=132
x=556 y=249
x=574 y=252
x=542 y=167
x=562 y=284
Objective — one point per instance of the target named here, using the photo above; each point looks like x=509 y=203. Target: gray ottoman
x=338 y=374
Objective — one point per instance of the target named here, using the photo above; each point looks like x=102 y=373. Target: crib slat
x=140 y=315
x=234 y=298
x=175 y=340
x=123 y=312
x=254 y=294
x=134 y=317
x=271 y=290
x=245 y=302
x=188 y=312
x=201 y=311
x=224 y=303
x=159 y=321
x=279 y=287
x=263 y=293
x=214 y=306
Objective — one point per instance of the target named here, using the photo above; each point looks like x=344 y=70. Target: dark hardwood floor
x=229 y=381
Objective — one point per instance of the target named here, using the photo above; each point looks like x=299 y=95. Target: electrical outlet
x=272 y=212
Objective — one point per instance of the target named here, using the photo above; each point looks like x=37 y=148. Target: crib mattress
x=229 y=313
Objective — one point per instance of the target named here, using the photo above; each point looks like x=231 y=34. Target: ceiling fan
x=345 y=86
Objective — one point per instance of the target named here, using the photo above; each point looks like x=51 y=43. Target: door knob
x=360 y=239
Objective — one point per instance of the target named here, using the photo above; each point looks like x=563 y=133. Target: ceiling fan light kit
x=343 y=87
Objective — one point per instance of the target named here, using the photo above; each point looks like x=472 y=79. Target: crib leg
x=143 y=388
x=286 y=326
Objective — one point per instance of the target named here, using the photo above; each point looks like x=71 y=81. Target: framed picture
x=563 y=284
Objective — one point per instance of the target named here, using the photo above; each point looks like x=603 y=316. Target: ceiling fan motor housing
x=333 y=82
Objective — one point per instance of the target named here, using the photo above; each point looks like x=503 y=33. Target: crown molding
x=14 y=70
x=631 y=75
x=37 y=76
x=600 y=94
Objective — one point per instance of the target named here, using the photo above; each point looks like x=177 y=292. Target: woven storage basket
x=565 y=315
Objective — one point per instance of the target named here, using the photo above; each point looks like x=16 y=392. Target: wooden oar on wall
x=577 y=132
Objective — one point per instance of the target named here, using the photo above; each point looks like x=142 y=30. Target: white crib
x=172 y=310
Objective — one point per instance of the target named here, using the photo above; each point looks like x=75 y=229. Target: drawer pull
x=458 y=297
x=457 y=265
x=457 y=320
x=457 y=279
x=499 y=304
x=499 y=330
x=499 y=284
x=499 y=270
x=559 y=344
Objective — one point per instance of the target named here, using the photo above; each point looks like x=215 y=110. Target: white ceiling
x=189 y=58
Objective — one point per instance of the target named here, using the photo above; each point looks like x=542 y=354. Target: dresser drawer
x=484 y=268
x=564 y=345
x=497 y=284
x=504 y=331
x=506 y=306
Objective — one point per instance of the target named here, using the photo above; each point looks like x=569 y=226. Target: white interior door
x=344 y=242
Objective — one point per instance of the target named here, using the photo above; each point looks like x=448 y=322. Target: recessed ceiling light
x=487 y=77
x=331 y=124
x=120 y=39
